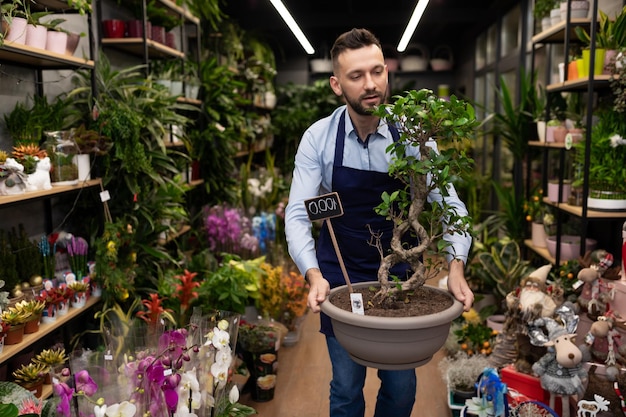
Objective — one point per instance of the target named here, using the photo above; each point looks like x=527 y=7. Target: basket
x=417 y=60
x=442 y=58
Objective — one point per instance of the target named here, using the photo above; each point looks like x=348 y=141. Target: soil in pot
x=407 y=304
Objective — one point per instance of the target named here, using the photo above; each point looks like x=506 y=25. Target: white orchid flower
x=220 y=338
x=233 y=395
x=99 y=411
x=220 y=372
x=189 y=386
x=123 y=409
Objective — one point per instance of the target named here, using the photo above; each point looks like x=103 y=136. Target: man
x=346 y=153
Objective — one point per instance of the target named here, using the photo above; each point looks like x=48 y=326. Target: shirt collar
x=383 y=128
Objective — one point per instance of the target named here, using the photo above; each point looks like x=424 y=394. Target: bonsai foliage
x=423 y=119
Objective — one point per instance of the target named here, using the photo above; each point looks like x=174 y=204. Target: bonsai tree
x=422 y=120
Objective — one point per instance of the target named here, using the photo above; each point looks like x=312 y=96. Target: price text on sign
x=324 y=207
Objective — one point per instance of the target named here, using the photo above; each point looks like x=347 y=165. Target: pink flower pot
x=135 y=29
x=158 y=34
x=56 y=42
x=17 y=31
x=36 y=36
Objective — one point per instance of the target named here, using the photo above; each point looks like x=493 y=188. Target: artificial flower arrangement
x=78 y=252
x=185 y=372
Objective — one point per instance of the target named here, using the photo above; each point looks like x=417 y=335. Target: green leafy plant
x=232 y=286
x=421 y=117
x=611 y=33
x=14 y=317
x=542 y=8
x=504 y=265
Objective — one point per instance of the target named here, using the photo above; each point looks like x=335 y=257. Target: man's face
x=361 y=78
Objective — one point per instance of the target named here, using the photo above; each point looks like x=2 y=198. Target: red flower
x=185 y=289
x=155 y=309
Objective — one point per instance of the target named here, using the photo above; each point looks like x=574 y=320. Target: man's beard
x=359 y=108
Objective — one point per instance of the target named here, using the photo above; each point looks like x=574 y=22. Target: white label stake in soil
x=325 y=207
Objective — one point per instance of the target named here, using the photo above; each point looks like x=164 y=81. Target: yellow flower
x=111 y=247
x=472 y=316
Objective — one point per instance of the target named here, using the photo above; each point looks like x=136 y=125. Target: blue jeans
x=396 y=395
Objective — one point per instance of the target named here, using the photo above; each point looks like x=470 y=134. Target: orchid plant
x=186 y=374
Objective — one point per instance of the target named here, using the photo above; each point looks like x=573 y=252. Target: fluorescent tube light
x=284 y=13
x=410 y=28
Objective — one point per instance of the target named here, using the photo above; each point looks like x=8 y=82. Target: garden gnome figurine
x=533 y=296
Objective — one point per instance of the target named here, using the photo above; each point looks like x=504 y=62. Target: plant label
x=105 y=196
x=356 y=299
x=324 y=207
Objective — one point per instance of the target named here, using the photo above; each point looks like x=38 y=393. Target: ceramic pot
x=158 y=34
x=83 y=162
x=36 y=36
x=570 y=246
x=538 y=235
x=553 y=191
x=598 y=66
x=72 y=43
x=135 y=29
x=17 y=31
x=170 y=39
x=541 y=130
x=555 y=16
x=559 y=134
x=56 y=42
x=578 y=9
x=546 y=22
x=113 y=28
x=609 y=56
x=496 y=321
x=572 y=71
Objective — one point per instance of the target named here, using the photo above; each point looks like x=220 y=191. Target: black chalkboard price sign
x=324 y=206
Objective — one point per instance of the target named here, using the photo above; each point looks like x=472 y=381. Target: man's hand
x=319 y=288
x=457 y=284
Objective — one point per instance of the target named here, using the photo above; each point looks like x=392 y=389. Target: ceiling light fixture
x=284 y=13
x=412 y=25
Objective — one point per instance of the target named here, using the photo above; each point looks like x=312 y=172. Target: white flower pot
x=541 y=130
x=553 y=192
x=538 y=235
x=83 y=163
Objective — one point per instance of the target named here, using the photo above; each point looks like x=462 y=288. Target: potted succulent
x=34 y=310
x=408 y=342
x=31 y=377
x=52 y=359
x=15 y=319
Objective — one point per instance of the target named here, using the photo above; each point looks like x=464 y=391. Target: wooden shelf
x=46 y=391
x=195 y=183
x=591 y=214
x=543 y=252
x=177 y=144
x=55 y=190
x=555 y=145
x=192 y=101
x=135 y=46
x=175 y=9
x=26 y=55
x=44 y=329
x=556 y=33
x=579 y=84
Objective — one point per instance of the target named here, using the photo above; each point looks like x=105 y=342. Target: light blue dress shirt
x=312 y=176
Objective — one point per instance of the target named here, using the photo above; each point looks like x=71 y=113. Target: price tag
x=569 y=141
x=324 y=207
x=105 y=196
x=357 y=303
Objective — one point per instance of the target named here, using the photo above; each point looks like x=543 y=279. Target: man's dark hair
x=353 y=39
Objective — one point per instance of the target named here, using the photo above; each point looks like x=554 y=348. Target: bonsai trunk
x=412 y=255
